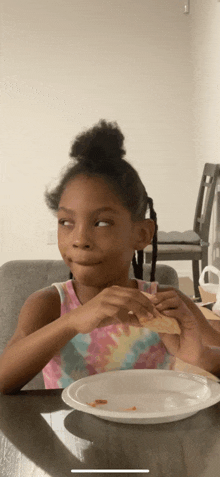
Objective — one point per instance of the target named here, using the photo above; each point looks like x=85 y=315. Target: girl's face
x=96 y=235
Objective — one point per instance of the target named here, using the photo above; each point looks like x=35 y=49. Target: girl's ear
x=144 y=233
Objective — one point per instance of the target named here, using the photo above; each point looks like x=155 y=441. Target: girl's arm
x=210 y=360
x=198 y=343
x=39 y=335
x=41 y=332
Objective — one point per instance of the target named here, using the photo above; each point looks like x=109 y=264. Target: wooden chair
x=191 y=244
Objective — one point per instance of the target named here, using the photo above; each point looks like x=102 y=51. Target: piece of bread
x=161 y=323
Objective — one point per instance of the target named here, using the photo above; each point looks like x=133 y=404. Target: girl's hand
x=188 y=345
x=111 y=305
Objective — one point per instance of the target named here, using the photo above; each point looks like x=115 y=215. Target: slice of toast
x=161 y=323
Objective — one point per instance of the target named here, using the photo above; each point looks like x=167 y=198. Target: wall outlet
x=52 y=237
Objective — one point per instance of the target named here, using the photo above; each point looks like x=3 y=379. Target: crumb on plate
x=97 y=402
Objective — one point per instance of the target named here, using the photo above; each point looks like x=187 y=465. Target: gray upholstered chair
x=20 y=278
x=192 y=244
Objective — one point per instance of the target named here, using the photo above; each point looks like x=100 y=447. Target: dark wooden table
x=42 y=436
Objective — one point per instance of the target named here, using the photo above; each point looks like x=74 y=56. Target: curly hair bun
x=102 y=143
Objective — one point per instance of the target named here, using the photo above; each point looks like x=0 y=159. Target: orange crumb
x=97 y=402
x=93 y=404
x=101 y=401
x=130 y=409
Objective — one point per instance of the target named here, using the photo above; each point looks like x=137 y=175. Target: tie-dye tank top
x=113 y=347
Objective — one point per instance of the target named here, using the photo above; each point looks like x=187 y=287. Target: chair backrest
x=18 y=280
x=205 y=200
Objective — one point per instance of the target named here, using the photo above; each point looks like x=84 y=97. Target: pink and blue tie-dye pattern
x=105 y=349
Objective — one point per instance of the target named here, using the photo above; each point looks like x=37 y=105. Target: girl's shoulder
x=46 y=298
x=41 y=308
x=45 y=303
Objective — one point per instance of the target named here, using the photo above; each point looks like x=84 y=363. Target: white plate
x=159 y=395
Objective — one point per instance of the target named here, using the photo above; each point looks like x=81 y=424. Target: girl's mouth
x=88 y=264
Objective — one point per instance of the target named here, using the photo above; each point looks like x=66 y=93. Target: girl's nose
x=81 y=239
x=80 y=244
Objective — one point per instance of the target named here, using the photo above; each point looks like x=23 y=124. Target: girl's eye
x=102 y=223
x=66 y=223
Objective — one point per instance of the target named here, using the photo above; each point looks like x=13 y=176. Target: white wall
x=68 y=63
x=205 y=50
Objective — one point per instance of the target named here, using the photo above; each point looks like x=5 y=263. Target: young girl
x=83 y=326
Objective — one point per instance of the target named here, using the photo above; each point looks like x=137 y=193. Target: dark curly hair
x=99 y=152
